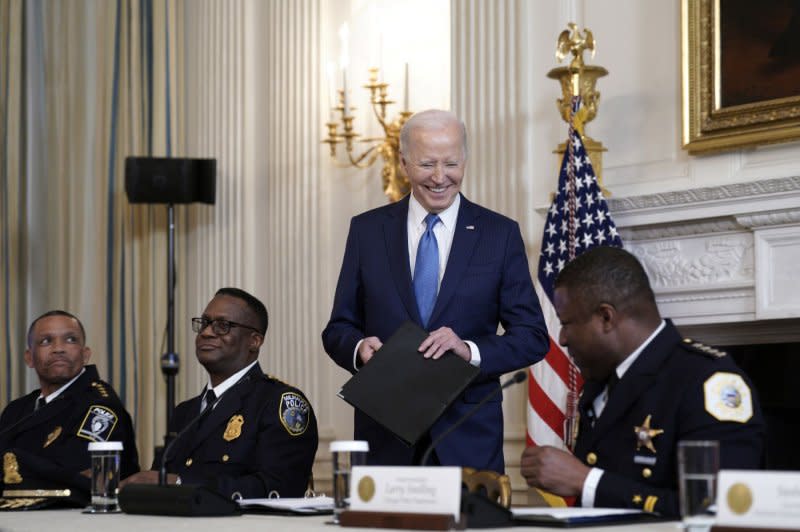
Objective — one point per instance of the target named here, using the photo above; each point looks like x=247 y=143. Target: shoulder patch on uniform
x=294 y=413
x=98 y=423
x=702 y=348
x=728 y=397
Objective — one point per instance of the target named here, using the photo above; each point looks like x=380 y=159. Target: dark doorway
x=775 y=371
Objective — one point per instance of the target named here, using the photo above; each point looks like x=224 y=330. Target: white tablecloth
x=75 y=521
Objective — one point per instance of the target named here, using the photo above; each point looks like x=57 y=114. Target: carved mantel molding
x=744 y=191
x=709 y=251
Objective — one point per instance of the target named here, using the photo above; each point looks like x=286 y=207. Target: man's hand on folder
x=443 y=340
x=367 y=348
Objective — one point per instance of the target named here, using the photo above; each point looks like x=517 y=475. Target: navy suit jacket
x=486 y=283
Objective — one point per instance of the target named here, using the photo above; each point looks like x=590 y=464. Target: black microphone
x=517 y=377
x=162 y=471
x=183 y=500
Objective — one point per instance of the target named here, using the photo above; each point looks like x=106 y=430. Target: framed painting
x=740 y=73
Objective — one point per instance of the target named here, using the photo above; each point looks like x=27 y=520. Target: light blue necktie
x=426 y=270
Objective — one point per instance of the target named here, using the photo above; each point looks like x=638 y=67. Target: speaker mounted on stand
x=170 y=180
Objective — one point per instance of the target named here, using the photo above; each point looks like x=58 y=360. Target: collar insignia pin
x=52 y=436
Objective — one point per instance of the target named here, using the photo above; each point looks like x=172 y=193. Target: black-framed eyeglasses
x=219 y=327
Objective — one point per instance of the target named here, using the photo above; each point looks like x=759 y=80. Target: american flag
x=578 y=220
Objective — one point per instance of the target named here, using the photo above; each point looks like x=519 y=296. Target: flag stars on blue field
x=592 y=223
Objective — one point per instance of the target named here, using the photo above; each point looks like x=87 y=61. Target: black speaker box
x=185 y=501
x=170 y=180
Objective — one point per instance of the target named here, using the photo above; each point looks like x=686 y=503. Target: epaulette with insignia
x=703 y=348
x=279 y=381
x=100 y=388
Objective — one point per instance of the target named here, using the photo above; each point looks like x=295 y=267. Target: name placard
x=426 y=490
x=758 y=499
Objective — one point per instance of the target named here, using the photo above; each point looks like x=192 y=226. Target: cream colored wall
x=258 y=91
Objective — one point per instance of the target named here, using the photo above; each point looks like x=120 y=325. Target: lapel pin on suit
x=470 y=228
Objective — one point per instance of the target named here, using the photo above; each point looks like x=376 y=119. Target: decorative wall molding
x=679 y=262
x=753 y=221
x=718 y=254
x=706 y=194
x=659 y=231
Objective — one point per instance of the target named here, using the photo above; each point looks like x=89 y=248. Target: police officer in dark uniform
x=255 y=435
x=646 y=389
x=44 y=436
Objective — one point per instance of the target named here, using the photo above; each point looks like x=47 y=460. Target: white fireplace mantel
x=720 y=254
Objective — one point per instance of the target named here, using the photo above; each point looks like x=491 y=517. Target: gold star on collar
x=645 y=435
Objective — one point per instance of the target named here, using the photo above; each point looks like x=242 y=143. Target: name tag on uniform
x=426 y=490
x=758 y=499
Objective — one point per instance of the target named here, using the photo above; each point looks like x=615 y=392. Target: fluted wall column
x=252 y=92
x=492 y=93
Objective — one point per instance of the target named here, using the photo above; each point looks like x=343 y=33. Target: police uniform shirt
x=675 y=390
x=47 y=448
x=260 y=438
x=593 y=478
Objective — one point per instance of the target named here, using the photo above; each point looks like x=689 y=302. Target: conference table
x=74 y=520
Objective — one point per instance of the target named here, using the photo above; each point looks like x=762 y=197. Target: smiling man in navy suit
x=455 y=268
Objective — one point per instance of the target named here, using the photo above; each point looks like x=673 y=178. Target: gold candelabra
x=395 y=181
x=579 y=79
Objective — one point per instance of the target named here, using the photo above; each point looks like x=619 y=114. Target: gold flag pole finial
x=579 y=79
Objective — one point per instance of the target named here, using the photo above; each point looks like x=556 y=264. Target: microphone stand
x=517 y=377
x=170 y=361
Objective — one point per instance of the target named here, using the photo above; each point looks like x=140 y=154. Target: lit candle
x=332 y=101
x=344 y=60
x=406 y=98
x=344 y=87
x=380 y=57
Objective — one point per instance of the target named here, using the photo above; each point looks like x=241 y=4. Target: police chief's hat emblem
x=294 y=413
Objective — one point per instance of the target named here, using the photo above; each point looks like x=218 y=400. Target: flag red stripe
x=558 y=361
x=546 y=408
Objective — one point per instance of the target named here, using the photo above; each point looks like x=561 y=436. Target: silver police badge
x=294 y=413
x=98 y=423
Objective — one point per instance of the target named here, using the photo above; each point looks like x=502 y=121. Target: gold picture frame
x=729 y=104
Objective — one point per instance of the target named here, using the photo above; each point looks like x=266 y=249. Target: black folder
x=404 y=391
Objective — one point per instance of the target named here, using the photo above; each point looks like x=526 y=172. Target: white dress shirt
x=225 y=385
x=61 y=390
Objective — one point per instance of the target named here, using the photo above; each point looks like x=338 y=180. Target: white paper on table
x=300 y=505
x=578 y=515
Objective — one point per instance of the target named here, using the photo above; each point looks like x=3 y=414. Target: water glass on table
x=345 y=455
x=698 y=465
x=105 y=456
